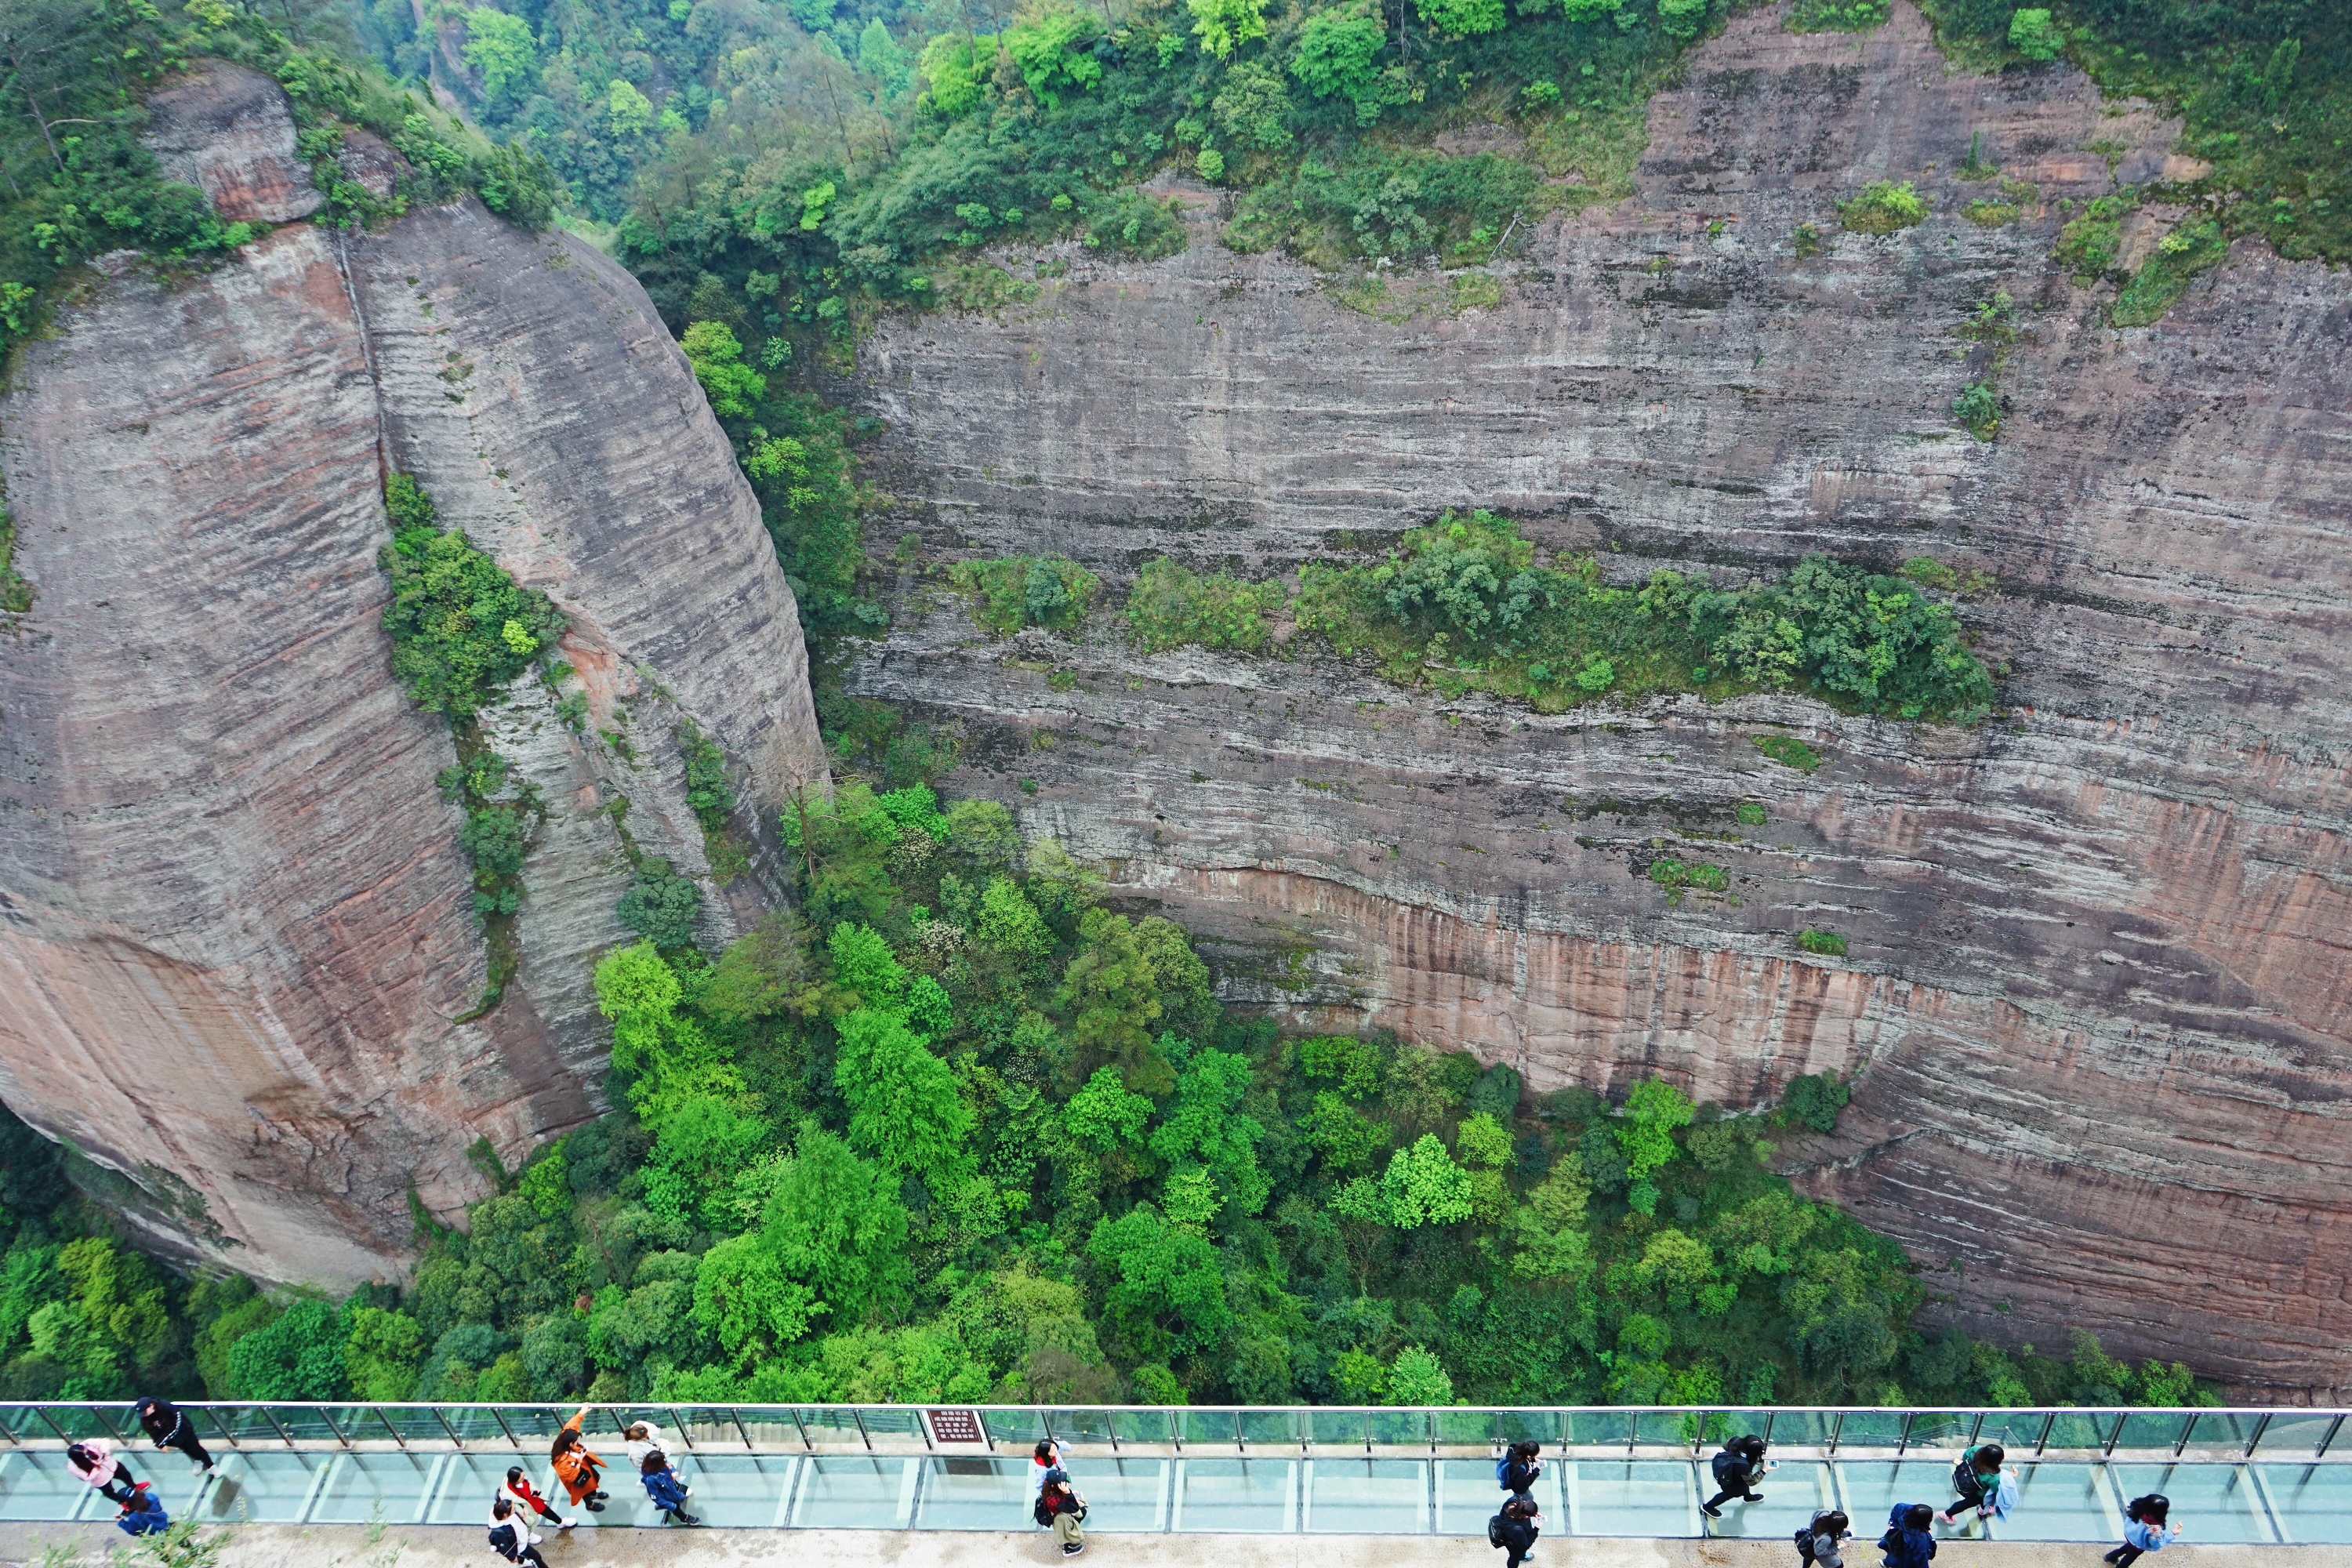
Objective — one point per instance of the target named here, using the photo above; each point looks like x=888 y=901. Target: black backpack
x=1041 y=1514
x=1805 y=1542
x=1494 y=1531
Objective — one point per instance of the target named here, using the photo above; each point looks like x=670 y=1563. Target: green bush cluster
x=2195 y=246
x=1788 y=751
x=1171 y=606
x=1828 y=944
x=1675 y=875
x=461 y=630
x=1464 y=604
x=1815 y=1100
x=1882 y=207
x=1837 y=16
x=2264 y=89
x=1020 y=591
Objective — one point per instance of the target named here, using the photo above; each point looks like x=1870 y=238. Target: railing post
x=1975 y=1426
x=1769 y=1417
x=859 y=1416
x=1837 y=1426
x=338 y=1431
x=228 y=1432
x=284 y=1435
x=47 y=1420
x=1903 y=1439
x=112 y=1430
x=2041 y=1442
x=1241 y=1438
x=14 y=1441
x=1367 y=1434
x=2262 y=1424
x=388 y=1426
x=1176 y=1433
x=437 y=1415
x=2328 y=1438
x=742 y=1431
x=2114 y=1436
x=806 y=1447
x=500 y=1416
x=2180 y=1443
x=678 y=1420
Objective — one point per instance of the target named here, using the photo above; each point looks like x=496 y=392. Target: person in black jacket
x=1737 y=1470
x=1521 y=1466
x=510 y=1540
x=168 y=1425
x=1515 y=1529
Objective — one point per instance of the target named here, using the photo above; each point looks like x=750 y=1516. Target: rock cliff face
x=235 y=932
x=2097 y=977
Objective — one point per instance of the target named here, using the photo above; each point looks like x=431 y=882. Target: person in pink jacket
x=93 y=1462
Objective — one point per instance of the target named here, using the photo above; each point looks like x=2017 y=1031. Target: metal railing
x=2239 y=1434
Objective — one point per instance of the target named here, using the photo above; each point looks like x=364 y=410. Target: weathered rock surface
x=229 y=132
x=235 y=932
x=2097 y=976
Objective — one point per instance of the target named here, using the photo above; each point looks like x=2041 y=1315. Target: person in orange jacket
x=578 y=1468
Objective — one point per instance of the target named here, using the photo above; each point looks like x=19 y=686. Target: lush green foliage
x=2195 y=246
x=1026 y=591
x=1881 y=208
x=460 y=627
x=1828 y=944
x=1464 y=604
x=78 y=182
x=1837 y=16
x=2264 y=88
x=1170 y=605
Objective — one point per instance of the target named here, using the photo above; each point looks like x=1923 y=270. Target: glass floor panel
x=853 y=1492
x=1468 y=1496
x=1792 y=1494
x=265 y=1488
x=2060 y=1502
x=2311 y=1503
x=36 y=1485
x=369 y=1489
x=468 y=1483
x=1368 y=1497
x=1630 y=1497
x=1868 y=1490
x=1122 y=1494
x=976 y=1494
x=2219 y=1503
x=1257 y=1496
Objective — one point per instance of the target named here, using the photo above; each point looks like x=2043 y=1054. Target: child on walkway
x=1909 y=1542
x=2145 y=1531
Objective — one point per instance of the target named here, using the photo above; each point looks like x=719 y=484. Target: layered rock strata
x=235 y=931
x=2096 y=977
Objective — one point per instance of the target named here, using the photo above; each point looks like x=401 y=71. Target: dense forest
x=954 y=1127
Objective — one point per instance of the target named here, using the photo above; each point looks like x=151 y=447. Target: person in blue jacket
x=663 y=1485
x=2145 y=1530
x=1910 y=1539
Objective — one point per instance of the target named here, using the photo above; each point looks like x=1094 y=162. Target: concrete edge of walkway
x=52 y=1545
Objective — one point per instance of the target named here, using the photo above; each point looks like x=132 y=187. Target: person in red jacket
x=519 y=1491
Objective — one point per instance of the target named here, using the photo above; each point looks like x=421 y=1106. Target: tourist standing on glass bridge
x=1044 y=1460
x=1061 y=1510
x=1515 y=1529
x=1817 y=1542
x=1517 y=1470
x=92 y=1461
x=643 y=1438
x=1910 y=1541
x=2147 y=1531
x=1982 y=1485
x=580 y=1470
x=1737 y=1470
x=170 y=1427
x=524 y=1496
x=510 y=1538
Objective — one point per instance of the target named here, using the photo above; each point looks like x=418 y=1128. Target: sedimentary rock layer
x=2097 y=969
x=236 y=938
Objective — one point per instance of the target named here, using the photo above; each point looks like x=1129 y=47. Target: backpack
x=1042 y=1513
x=1887 y=1542
x=1503 y=1471
x=1805 y=1542
x=1494 y=1531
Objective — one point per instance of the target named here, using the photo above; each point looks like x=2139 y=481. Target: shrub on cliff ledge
x=1883 y=206
x=460 y=627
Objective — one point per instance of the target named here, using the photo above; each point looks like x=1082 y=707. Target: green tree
x=953 y=76
x=2033 y=35
x=1103 y=1116
x=1052 y=44
x=297 y=1356
x=1465 y=18
x=1417 y=1377
x=1252 y=106
x=1549 y=1227
x=660 y=905
x=904 y=1105
x=1646 y=1132
x=863 y=964
x=1222 y=25
x=1166 y=1295
x=1207 y=1126
x=717 y=358
x=835 y=1222
x=629 y=114
x=381 y=1355
x=1011 y=924
x=742 y=1295
x=1422 y=1186
x=879 y=55
x=447 y=619
x=1110 y=991
x=1338 y=53
x=501 y=46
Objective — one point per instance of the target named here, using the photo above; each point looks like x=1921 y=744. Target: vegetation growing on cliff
x=74 y=181
x=1464 y=605
x=959 y=1132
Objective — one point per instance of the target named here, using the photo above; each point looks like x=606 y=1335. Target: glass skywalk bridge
x=2280 y=1477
